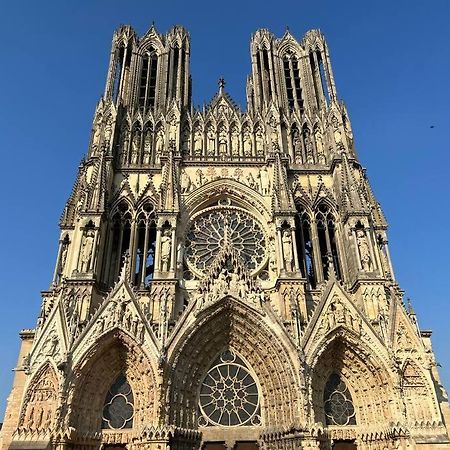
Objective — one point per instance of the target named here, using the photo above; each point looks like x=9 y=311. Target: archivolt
x=366 y=377
x=231 y=324
x=113 y=354
x=244 y=196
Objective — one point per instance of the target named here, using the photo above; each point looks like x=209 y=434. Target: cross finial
x=221 y=84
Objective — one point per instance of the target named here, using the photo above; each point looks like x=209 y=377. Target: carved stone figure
x=135 y=146
x=223 y=142
x=148 y=136
x=86 y=251
x=235 y=147
x=364 y=250
x=259 y=142
x=211 y=136
x=264 y=180
x=198 y=141
x=185 y=182
x=166 y=248
x=287 y=250
x=247 y=143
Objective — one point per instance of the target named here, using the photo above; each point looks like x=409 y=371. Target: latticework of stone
x=223 y=275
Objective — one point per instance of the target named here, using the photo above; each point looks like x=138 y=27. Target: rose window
x=211 y=230
x=339 y=409
x=229 y=394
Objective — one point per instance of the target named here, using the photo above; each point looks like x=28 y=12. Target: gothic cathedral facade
x=223 y=278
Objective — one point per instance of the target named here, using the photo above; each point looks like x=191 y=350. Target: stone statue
x=64 y=250
x=198 y=145
x=96 y=136
x=308 y=148
x=159 y=144
x=251 y=181
x=87 y=246
x=199 y=179
x=166 y=247
x=297 y=146
x=259 y=142
x=211 y=149
x=287 y=250
x=319 y=147
x=247 y=143
x=223 y=142
x=364 y=250
x=147 y=145
x=185 y=182
x=135 y=147
x=108 y=133
x=234 y=142
x=264 y=180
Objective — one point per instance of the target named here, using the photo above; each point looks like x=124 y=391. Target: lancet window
x=319 y=77
x=338 y=402
x=317 y=245
x=262 y=59
x=121 y=69
x=305 y=249
x=148 y=78
x=118 y=409
x=326 y=233
x=144 y=262
x=137 y=237
x=229 y=394
x=292 y=80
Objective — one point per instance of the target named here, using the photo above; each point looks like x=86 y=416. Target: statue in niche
x=166 y=247
x=173 y=129
x=135 y=146
x=264 y=180
x=247 y=143
x=198 y=142
x=259 y=142
x=319 y=147
x=308 y=147
x=108 y=132
x=147 y=145
x=96 y=136
x=223 y=143
x=159 y=144
x=287 y=250
x=125 y=140
x=297 y=146
x=84 y=308
x=234 y=283
x=87 y=245
x=185 y=134
x=185 y=182
x=235 y=142
x=336 y=133
x=364 y=250
x=274 y=133
x=64 y=250
x=211 y=148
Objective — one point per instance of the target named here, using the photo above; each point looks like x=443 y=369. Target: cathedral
x=223 y=277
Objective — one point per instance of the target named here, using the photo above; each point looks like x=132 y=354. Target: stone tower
x=223 y=278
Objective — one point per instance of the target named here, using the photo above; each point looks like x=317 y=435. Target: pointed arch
x=115 y=354
x=366 y=377
x=41 y=400
x=270 y=355
x=417 y=395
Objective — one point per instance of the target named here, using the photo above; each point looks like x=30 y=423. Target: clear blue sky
x=391 y=63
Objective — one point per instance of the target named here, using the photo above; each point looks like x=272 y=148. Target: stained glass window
x=209 y=231
x=118 y=410
x=338 y=403
x=229 y=394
